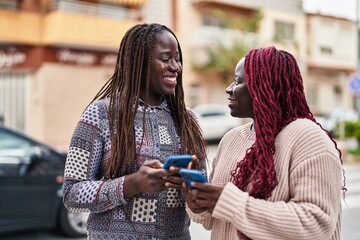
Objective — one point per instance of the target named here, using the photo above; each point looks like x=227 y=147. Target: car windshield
x=12 y=145
x=212 y=114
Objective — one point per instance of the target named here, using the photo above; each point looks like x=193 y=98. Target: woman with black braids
x=114 y=164
x=279 y=177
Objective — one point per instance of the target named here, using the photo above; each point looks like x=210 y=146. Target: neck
x=153 y=102
x=252 y=127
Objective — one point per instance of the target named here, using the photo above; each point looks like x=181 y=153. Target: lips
x=231 y=101
x=170 y=79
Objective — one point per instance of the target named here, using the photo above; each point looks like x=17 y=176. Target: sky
x=338 y=8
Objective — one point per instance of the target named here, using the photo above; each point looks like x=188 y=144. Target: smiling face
x=165 y=68
x=240 y=100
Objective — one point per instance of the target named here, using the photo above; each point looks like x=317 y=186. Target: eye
x=165 y=59
x=168 y=57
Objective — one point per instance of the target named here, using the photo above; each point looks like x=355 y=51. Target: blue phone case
x=192 y=175
x=177 y=161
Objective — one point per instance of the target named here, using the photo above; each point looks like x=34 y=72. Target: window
x=209 y=20
x=326 y=50
x=284 y=31
x=9 y=4
x=12 y=99
x=312 y=96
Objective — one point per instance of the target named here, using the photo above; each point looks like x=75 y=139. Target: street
x=351 y=212
x=351 y=206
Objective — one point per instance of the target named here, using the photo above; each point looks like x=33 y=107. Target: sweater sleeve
x=311 y=213
x=83 y=188
x=205 y=218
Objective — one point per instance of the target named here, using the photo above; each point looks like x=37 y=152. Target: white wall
x=335 y=34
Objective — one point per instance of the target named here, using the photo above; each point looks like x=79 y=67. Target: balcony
x=19 y=28
x=73 y=29
x=234 y=4
x=69 y=23
x=208 y=36
x=100 y=10
x=87 y=25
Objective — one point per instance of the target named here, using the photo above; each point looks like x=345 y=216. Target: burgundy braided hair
x=276 y=86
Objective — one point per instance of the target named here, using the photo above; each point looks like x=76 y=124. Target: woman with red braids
x=278 y=177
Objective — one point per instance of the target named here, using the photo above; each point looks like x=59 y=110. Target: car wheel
x=72 y=224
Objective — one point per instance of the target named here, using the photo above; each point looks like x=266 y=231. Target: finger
x=194 y=162
x=153 y=163
x=172 y=185
x=197 y=193
x=200 y=210
x=199 y=185
x=184 y=187
x=174 y=179
x=174 y=169
x=202 y=203
x=155 y=173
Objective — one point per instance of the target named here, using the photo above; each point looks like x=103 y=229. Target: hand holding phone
x=181 y=161
x=192 y=175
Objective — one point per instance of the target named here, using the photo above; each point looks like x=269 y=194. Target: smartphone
x=177 y=161
x=192 y=175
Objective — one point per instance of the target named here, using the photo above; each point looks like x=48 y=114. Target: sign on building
x=354 y=84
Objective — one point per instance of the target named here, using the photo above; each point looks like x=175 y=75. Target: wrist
x=131 y=186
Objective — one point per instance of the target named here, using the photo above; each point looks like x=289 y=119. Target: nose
x=174 y=66
x=229 y=89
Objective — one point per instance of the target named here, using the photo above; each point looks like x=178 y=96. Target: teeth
x=171 y=79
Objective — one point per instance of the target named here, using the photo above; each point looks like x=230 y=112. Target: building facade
x=56 y=54
x=282 y=24
x=331 y=60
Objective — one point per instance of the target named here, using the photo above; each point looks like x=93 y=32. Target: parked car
x=329 y=120
x=31 y=176
x=215 y=120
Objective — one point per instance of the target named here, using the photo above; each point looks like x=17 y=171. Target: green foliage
x=244 y=24
x=222 y=60
x=355 y=151
x=253 y=23
x=351 y=129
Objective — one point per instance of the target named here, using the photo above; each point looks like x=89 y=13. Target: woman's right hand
x=149 y=178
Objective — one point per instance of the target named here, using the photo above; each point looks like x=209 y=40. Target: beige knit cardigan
x=306 y=204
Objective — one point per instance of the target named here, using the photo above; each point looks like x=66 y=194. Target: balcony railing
x=115 y=12
x=208 y=35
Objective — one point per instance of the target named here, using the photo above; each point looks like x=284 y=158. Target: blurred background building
x=56 y=54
